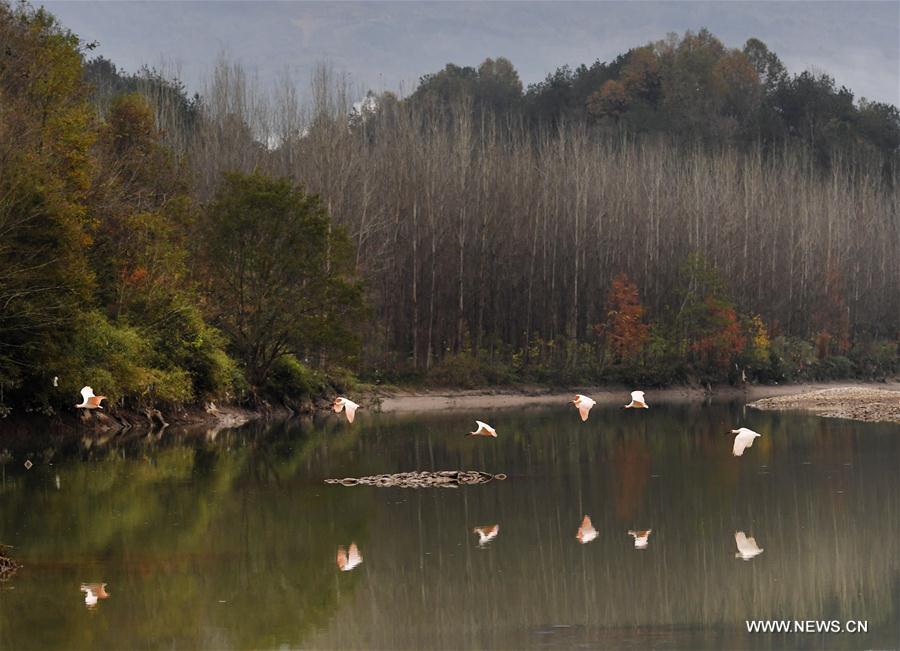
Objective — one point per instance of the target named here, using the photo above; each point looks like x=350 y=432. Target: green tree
x=46 y=168
x=139 y=255
x=277 y=273
x=768 y=66
x=499 y=87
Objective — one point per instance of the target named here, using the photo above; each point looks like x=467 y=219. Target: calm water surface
x=231 y=541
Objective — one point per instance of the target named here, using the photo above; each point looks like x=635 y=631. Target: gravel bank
x=855 y=402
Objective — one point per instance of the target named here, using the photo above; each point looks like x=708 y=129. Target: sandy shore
x=872 y=403
x=438 y=400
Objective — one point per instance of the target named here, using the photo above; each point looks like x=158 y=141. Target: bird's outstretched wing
x=483 y=429
x=354 y=558
x=351 y=410
x=486 y=533
x=86 y=394
x=637 y=398
x=742 y=441
x=584 y=410
x=746 y=546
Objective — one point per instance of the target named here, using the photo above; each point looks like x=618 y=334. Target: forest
x=686 y=213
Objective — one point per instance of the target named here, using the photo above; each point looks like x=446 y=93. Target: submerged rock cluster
x=8 y=566
x=422 y=479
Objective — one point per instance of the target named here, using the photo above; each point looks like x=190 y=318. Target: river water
x=231 y=540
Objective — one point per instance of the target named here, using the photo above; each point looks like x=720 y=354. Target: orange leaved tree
x=624 y=331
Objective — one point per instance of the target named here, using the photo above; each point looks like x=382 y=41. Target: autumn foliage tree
x=719 y=337
x=624 y=331
x=141 y=195
x=707 y=321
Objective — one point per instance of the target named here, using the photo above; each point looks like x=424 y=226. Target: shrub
x=115 y=360
x=876 y=359
x=460 y=370
x=831 y=368
x=342 y=380
x=183 y=340
x=290 y=380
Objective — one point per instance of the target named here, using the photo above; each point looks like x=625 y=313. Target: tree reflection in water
x=230 y=541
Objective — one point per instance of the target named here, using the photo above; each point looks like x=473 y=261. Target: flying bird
x=583 y=404
x=641 y=538
x=747 y=547
x=743 y=440
x=93 y=592
x=486 y=534
x=349 y=559
x=586 y=532
x=637 y=401
x=90 y=599
x=89 y=400
x=483 y=430
x=342 y=403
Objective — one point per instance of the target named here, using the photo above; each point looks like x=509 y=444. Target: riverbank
x=109 y=423
x=501 y=398
x=855 y=400
x=859 y=402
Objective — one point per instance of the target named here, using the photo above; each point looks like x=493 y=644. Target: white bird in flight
x=583 y=404
x=586 y=532
x=93 y=592
x=486 y=533
x=483 y=430
x=89 y=400
x=347 y=560
x=641 y=538
x=637 y=401
x=747 y=547
x=342 y=403
x=90 y=599
x=743 y=440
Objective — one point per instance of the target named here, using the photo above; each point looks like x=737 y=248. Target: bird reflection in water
x=641 y=538
x=747 y=547
x=486 y=533
x=93 y=592
x=586 y=532
x=348 y=559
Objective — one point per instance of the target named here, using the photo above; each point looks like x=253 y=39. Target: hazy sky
x=389 y=45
